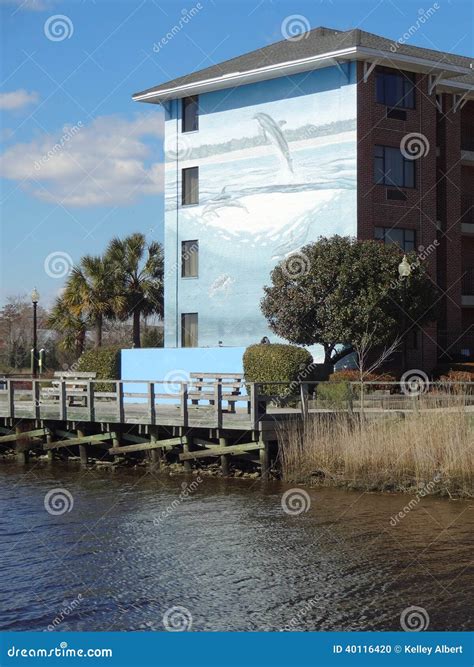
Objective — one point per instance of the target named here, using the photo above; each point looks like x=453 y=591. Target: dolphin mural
x=272 y=131
x=221 y=201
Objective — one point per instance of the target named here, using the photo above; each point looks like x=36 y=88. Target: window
x=189 y=259
x=189 y=330
x=404 y=238
x=395 y=89
x=190 y=186
x=392 y=168
x=190 y=114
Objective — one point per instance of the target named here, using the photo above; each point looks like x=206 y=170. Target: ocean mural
x=277 y=170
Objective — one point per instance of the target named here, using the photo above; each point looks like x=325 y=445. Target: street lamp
x=34 y=300
x=404 y=270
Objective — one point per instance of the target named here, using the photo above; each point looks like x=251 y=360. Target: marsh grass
x=388 y=453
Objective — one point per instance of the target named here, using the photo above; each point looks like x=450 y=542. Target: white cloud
x=104 y=163
x=17 y=99
x=30 y=5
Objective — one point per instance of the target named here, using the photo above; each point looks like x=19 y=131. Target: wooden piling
x=21 y=446
x=82 y=448
x=223 y=442
x=264 y=461
x=186 y=443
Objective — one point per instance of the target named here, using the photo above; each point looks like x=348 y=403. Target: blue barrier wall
x=175 y=365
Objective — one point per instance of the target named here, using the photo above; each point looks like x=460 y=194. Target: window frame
x=190 y=100
x=407 y=78
x=405 y=162
x=183 y=329
x=184 y=259
x=385 y=232
x=185 y=171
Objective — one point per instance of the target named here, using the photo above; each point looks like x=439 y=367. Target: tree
x=329 y=291
x=16 y=331
x=71 y=327
x=91 y=293
x=138 y=267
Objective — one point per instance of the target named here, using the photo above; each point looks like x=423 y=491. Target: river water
x=131 y=548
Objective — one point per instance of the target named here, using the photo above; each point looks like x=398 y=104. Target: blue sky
x=67 y=82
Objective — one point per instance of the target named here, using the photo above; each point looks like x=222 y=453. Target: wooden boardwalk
x=160 y=419
x=172 y=421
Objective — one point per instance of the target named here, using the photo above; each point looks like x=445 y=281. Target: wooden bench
x=76 y=386
x=202 y=387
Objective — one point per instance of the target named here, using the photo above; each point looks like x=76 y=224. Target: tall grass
x=432 y=447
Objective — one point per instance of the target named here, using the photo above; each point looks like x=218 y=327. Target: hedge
x=105 y=362
x=276 y=362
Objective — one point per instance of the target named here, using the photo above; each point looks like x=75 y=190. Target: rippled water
x=229 y=554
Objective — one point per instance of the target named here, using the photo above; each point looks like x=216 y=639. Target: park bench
x=76 y=386
x=202 y=387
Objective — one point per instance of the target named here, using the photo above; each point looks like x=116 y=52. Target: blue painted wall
x=175 y=365
x=277 y=170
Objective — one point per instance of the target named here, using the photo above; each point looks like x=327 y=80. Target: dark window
x=395 y=89
x=190 y=114
x=392 y=168
x=189 y=259
x=190 y=186
x=404 y=238
x=189 y=330
x=397 y=114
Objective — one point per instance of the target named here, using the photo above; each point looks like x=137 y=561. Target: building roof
x=308 y=52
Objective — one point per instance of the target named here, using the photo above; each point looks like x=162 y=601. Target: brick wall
x=419 y=211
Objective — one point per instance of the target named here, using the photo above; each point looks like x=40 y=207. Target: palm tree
x=92 y=293
x=139 y=267
x=72 y=328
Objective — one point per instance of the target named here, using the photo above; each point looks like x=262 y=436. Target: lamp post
x=34 y=300
x=404 y=270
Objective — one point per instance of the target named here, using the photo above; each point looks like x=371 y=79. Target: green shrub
x=334 y=395
x=105 y=361
x=276 y=362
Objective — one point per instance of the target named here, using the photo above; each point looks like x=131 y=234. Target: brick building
x=334 y=132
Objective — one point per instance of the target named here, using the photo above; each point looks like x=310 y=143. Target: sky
x=80 y=161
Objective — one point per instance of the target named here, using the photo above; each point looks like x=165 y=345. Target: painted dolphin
x=222 y=201
x=272 y=131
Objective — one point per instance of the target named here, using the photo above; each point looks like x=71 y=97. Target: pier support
x=21 y=446
x=264 y=460
x=82 y=448
x=49 y=453
x=223 y=442
x=187 y=441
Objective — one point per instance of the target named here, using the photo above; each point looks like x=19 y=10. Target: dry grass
x=428 y=448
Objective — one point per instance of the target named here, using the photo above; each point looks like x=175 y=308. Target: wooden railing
x=161 y=402
x=127 y=401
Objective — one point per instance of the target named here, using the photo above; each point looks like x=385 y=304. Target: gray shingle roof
x=316 y=42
